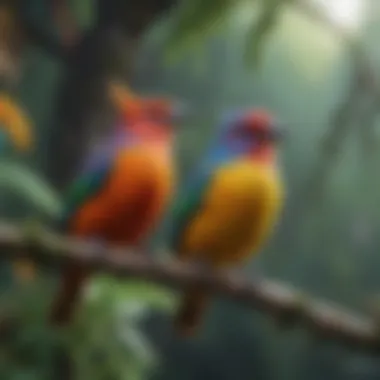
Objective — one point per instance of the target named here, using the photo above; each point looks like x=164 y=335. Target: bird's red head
x=160 y=109
x=151 y=120
x=260 y=133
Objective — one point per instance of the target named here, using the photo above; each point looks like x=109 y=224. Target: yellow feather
x=15 y=123
x=239 y=211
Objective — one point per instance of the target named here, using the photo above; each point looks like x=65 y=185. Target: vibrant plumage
x=123 y=188
x=229 y=206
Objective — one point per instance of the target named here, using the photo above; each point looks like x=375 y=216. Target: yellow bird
x=230 y=205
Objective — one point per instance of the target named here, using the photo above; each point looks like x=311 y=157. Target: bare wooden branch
x=281 y=301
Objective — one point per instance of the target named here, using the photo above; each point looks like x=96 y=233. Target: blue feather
x=101 y=152
x=187 y=205
x=93 y=174
x=193 y=190
x=83 y=189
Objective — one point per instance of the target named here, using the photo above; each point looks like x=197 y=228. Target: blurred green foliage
x=196 y=19
x=105 y=342
x=328 y=247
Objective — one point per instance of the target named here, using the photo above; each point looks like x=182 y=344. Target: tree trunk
x=108 y=50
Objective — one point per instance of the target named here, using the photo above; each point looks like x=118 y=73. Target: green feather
x=84 y=189
x=188 y=205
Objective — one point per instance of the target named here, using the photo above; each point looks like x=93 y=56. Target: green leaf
x=32 y=188
x=195 y=20
x=136 y=343
x=153 y=295
x=109 y=347
x=84 y=11
x=261 y=29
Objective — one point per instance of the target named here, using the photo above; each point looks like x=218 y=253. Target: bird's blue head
x=252 y=133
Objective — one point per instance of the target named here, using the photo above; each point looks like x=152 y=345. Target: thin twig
x=285 y=304
x=364 y=84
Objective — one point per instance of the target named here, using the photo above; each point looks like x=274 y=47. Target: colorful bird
x=229 y=206
x=118 y=198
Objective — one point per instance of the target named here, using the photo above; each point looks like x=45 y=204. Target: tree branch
x=285 y=304
x=45 y=41
x=35 y=33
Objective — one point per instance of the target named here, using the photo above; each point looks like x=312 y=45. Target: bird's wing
x=94 y=173
x=188 y=204
x=190 y=199
x=88 y=184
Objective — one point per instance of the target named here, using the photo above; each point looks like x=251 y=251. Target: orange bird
x=121 y=192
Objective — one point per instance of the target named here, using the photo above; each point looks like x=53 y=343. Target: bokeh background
x=315 y=64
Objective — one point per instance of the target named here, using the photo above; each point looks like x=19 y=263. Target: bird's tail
x=68 y=296
x=190 y=312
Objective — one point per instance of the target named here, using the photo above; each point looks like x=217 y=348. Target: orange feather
x=122 y=213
